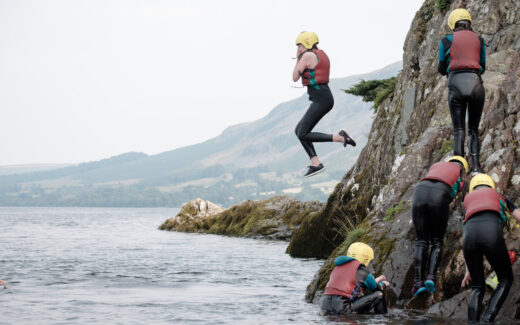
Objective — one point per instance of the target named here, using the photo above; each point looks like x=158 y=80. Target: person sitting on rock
x=351 y=287
x=483 y=236
x=462 y=56
x=430 y=212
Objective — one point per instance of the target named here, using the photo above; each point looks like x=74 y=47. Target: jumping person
x=345 y=291
x=430 y=212
x=483 y=236
x=462 y=56
x=313 y=66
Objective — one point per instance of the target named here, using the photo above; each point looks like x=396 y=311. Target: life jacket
x=446 y=172
x=465 y=51
x=320 y=74
x=484 y=199
x=343 y=279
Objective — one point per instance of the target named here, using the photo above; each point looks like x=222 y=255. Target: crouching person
x=351 y=287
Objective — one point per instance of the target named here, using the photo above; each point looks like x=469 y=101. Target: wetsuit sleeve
x=443 y=65
x=482 y=60
x=510 y=205
x=371 y=283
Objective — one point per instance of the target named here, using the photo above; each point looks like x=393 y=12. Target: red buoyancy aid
x=446 y=172
x=320 y=74
x=343 y=279
x=484 y=199
x=465 y=51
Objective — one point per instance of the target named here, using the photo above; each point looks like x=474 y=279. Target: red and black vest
x=484 y=199
x=465 y=51
x=320 y=74
x=343 y=279
x=446 y=172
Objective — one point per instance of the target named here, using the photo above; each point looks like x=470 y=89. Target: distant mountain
x=247 y=161
x=29 y=168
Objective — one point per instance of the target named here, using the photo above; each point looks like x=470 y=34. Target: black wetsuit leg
x=430 y=212
x=483 y=236
x=466 y=91
x=322 y=102
x=333 y=304
x=365 y=304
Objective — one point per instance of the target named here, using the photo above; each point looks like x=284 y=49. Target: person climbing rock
x=351 y=287
x=3 y=283
x=485 y=218
x=462 y=57
x=313 y=66
x=430 y=212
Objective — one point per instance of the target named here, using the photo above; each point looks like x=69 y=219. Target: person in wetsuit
x=483 y=236
x=351 y=287
x=313 y=66
x=430 y=212
x=462 y=57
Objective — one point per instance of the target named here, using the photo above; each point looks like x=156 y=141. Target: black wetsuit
x=322 y=102
x=430 y=212
x=483 y=236
x=466 y=91
x=335 y=304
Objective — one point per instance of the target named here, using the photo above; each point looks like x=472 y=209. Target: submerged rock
x=275 y=218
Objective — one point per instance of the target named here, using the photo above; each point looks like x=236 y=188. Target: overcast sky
x=86 y=80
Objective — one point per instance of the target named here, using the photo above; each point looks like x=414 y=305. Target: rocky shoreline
x=275 y=218
x=411 y=131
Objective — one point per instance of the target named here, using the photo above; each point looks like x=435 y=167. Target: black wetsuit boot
x=435 y=256
x=474 y=151
x=419 y=258
x=496 y=301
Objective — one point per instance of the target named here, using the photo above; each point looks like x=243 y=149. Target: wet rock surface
x=375 y=195
x=275 y=218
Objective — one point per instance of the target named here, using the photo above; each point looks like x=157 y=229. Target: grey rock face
x=388 y=168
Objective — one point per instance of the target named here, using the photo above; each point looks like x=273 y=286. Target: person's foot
x=313 y=170
x=429 y=284
x=347 y=139
x=418 y=287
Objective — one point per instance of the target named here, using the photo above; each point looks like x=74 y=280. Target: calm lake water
x=112 y=266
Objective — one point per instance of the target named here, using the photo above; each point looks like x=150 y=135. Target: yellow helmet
x=461 y=160
x=481 y=179
x=361 y=252
x=307 y=39
x=457 y=15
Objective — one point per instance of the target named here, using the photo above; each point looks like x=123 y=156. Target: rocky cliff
x=411 y=131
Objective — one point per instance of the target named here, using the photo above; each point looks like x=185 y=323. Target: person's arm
x=514 y=211
x=305 y=60
x=375 y=284
x=443 y=65
x=467 y=278
x=482 y=60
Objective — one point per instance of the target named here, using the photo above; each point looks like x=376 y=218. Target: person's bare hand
x=466 y=280
x=381 y=278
